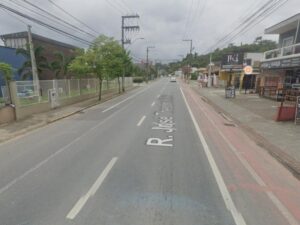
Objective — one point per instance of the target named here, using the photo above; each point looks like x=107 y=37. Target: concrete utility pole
x=191 y=52
x=125 y=29
x=147 y=61
x=35 y=77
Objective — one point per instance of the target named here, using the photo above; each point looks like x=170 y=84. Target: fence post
x=69 y=87
x=14 y=97
x=78 y=82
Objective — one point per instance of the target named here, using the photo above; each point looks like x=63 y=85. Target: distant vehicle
x=173 y=79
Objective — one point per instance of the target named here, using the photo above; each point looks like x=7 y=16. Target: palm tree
x=60 y=65
x=7 y=73
x=41 y=62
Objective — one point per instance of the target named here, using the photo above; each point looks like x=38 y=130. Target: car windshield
x=127 y=112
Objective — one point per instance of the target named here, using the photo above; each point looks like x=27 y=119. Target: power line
x=59 y=19
x=42 y=15
x=188 y=18
x=39 y=22
x=70 y=15
x=12 y=15
x=116 y=7
x=259 y=15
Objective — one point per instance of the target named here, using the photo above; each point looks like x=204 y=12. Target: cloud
x=164 y=23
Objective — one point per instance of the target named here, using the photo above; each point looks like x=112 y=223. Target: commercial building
x=50 y=46
x=232 y=70
x=9 y=56
x=280 y=76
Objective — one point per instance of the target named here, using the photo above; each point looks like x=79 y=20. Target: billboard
x=233 y=61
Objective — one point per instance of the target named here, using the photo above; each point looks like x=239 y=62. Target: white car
x=173 y=79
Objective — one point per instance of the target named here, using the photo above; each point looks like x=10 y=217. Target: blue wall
x=9 y=56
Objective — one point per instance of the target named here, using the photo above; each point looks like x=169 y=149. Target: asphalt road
x=141 y=158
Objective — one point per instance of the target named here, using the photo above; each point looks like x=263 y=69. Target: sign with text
x=283 y=63
x=233 y=60
x=248 y=70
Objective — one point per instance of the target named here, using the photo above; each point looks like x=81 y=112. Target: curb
x=286 y=160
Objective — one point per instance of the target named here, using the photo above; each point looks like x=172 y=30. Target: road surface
x=158 y=155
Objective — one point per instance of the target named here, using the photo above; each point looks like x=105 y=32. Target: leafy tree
x=41 y=61
x=79 y=66
x=7 y=73
x=105 y=59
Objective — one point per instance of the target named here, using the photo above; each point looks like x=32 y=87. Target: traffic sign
x=248 y=70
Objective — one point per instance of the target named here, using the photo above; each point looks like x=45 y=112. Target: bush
x=194 y=76
x=138 y=80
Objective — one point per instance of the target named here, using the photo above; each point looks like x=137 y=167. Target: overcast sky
x=164 y=23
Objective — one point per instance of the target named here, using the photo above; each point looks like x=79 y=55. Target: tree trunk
x=100 y=89
x=8 y=91
x=119 y=84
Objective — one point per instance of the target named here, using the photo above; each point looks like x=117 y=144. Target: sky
x=164 y=23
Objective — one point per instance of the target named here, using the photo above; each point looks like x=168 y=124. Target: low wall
x=23 y=112
x=7 y=114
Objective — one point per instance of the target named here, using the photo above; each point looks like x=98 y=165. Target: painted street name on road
x=165 y=124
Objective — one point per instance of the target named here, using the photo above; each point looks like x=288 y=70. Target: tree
x=60 y=65
x=7 y=73
x=79 y=66
x=41 y=61
x=107 y=57
x=104 y=58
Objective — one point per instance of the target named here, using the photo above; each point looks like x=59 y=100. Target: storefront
x=281 y=78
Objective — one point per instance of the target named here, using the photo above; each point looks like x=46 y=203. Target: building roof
x=24 y=34
x=284 y=26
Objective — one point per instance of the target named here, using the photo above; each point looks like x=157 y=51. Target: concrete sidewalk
x=256 y=116
x=12 y=130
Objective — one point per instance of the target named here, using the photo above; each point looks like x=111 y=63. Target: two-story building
x=281 y=67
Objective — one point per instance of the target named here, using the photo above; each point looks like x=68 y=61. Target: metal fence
x=29 y=93
x=4 y=97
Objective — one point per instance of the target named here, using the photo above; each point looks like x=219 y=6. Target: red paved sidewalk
x=247 y=169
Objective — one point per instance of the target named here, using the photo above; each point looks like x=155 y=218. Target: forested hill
x=203 y=60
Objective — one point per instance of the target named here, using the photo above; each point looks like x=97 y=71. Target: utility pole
x=191 y=52
x=126 y=28
x=147 y=61
x=35 y=77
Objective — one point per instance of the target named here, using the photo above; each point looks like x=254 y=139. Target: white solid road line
x=126 y=99
x=83 y=200
x=285 y=212
x=141 y=121
x=153 y=104
x=238 y=218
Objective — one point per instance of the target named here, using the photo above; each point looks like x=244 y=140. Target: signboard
x=248 y=70
x=283 y=63
x=233 y=60
x=230 y=92
x=297 y=117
